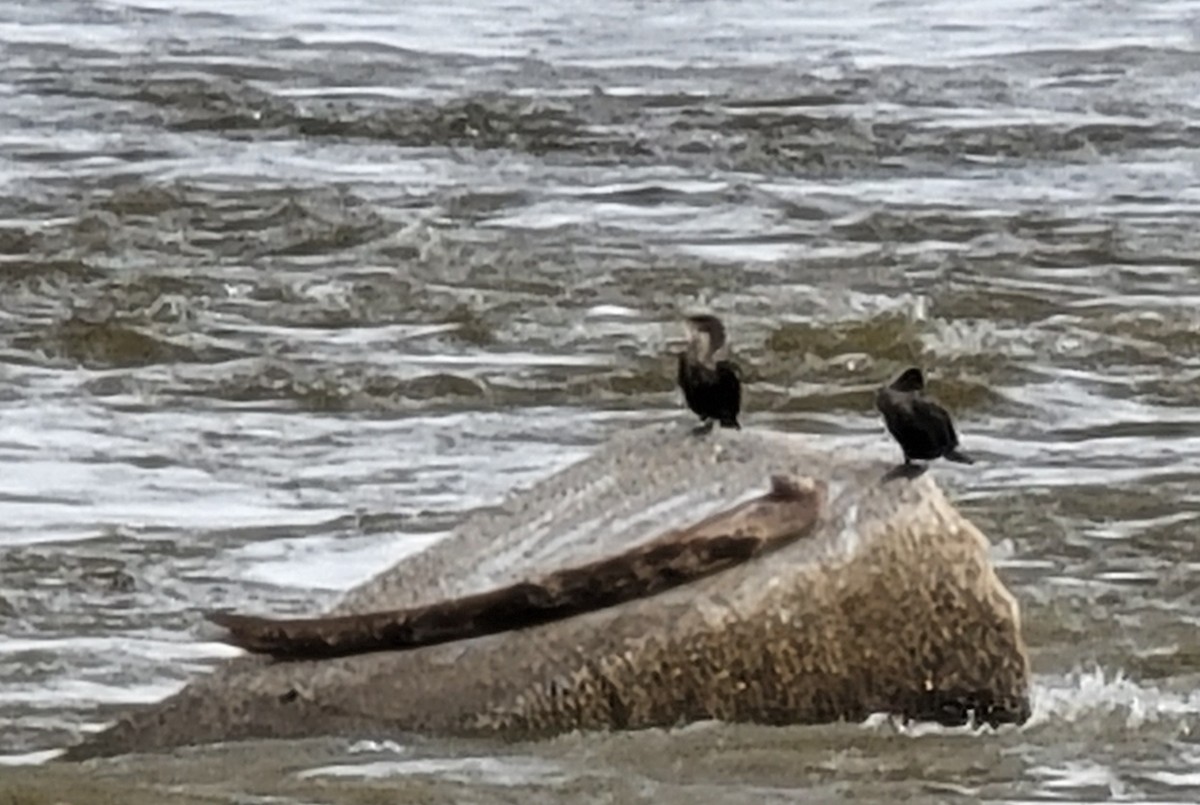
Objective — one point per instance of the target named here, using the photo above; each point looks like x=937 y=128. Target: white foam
x=1098 y=693
x=375 y=747
x=505 y=771
x=1076 y=699
x=324 y=563
x=55 y=694
x=119 y=646
x=30 y=758
x=611 y=312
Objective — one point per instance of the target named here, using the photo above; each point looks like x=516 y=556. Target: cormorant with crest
x=712 y=387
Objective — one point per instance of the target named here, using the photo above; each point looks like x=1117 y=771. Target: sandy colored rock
x=889 y=603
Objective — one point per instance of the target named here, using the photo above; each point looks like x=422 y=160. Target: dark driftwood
x=721 y=541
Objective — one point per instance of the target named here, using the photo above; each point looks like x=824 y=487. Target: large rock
x=887 y=603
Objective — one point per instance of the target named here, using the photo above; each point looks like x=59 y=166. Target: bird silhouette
x=711 y=387
x=921 y=426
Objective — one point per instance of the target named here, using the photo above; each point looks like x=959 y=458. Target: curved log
x=725 y=539
x=888 y=603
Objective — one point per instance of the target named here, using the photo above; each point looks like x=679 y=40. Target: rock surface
x=887 y=603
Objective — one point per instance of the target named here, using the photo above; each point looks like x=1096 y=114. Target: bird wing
x=926 y=408
x=729 y=381
x=729 y=369
x=686 y=379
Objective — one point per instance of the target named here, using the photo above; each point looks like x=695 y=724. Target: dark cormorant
x=712 y=388
x=921 y=426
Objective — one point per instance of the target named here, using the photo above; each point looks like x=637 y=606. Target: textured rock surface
x=890 y=604
x=786 y=512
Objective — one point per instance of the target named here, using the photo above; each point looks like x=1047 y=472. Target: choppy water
x=286 y=291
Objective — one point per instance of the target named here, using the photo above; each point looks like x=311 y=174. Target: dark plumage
x=921 y=426
x=711 y=387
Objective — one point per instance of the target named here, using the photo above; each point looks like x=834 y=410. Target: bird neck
x=701 y=355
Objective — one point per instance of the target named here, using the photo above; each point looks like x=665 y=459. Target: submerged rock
x=884 y=601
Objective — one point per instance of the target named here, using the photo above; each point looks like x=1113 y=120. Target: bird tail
x=954 y=454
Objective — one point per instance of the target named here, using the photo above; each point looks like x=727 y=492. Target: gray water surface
x=287 y=290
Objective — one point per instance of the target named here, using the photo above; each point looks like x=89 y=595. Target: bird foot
x=703 y=428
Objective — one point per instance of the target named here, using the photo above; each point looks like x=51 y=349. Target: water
x=286 y=292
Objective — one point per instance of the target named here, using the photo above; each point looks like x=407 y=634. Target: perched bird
x=921 y=426
x=711 y=387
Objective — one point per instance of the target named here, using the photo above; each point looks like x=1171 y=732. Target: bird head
x=910 y=379
x=706 y=335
